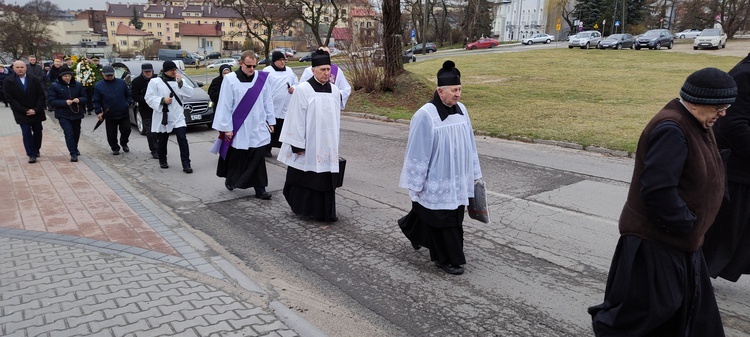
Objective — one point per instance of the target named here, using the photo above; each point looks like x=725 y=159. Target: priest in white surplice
x=440 y=167
x=282 y=86
x=337 y=78
x=310 y=144
x=244 y=119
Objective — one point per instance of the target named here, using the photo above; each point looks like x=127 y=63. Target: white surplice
x=253 y=133
x=339 y=80
x=155 y=92
x=280 y=83
x=312 y=123
x=441 y=161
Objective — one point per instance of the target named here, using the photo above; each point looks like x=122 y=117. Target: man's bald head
x=19 y=67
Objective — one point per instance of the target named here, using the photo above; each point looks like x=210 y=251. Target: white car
x=585 y=39
x=711 y=38
x=218 y=63
x=688 y=34
x=538 y=38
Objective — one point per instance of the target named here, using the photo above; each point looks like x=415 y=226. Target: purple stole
x=334 y=73
x=242 y=110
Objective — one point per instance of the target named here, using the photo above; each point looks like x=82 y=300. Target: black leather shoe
x=32 y=160
x=229 y=187
x=115 y=152
x=164 y=165
x=268 y=154
x=450 y=269
x=125 y=148
x=74 y=158
x=187 y=170
x=415 y=245
x=265 y=195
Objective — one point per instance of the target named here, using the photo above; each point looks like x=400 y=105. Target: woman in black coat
x=215 y=87
x=68 y=99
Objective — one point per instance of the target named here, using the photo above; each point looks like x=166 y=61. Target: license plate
x=196 y=117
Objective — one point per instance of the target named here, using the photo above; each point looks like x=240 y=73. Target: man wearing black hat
x=310 y=144
x=68 y=98
x=244 y=119
x=111 y=103
x=138 y=88
x=165 y=95
x=283 y=81
x=440 y=167
x=336 y=78
x=658 y=282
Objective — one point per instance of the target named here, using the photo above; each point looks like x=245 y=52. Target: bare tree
x=392 y=33
x=262 y=18
x=315 y=13
x=26 y=30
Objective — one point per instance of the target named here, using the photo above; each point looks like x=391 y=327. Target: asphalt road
x=532 y=271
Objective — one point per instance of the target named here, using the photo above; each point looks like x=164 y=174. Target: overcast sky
x=76 y=4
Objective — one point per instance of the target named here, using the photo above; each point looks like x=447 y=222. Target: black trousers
x=163 y=140
x=89 y=98
x=150 y=136
x=112 y=125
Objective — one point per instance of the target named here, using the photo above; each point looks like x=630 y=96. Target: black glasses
x=249 y=65
x=720 y=108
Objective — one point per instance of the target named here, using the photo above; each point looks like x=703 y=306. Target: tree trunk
x=392 y=33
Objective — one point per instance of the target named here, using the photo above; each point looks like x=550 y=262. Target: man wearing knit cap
x=68 y=99
x=244 y=119
x=440 y=167
x=658 y=282
x=283 y=81
x=310 y=144
x=112 y=103
x=336 y=78
x=138 y=88
x=165 y=96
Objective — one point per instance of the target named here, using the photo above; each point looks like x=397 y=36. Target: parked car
x=711 y=38
x=538 y=38
x=287 y=52
x=429 y=46
x=617 y=41
x=236 y=56
x=585 y=39
x=482 y=43
x=197 y=108
x=214 y=55
x=218 y=63
x=197 y=57
x=363 y=52
x=688 y=34
x=378 y=57
x=655 y=39
x=306 y=58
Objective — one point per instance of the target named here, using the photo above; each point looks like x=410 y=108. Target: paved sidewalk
x=82 y=253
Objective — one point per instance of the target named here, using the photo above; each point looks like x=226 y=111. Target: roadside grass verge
x=589 y=97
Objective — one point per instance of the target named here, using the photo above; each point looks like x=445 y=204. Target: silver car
x=585 y=39
x=197 y=108
x=538 y=38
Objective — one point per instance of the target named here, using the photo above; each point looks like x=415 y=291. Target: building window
x=239 y=25
x=135 y=43
x=158 y=25
x=123 y=43
x=111 y=23
x=231 y=24
x=239 y=33
x=222 y=25
x=210 y=44
x=223 y=33
x=176 y=25
x=158 y=34
x=148 y=25
x=169 y=38
x=167 y=29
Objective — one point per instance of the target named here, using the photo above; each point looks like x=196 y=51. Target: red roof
x=127 y=30
x=342 y=34
x=198 y=29
x=361 y=12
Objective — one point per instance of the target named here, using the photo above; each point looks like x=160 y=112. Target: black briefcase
x=338 y=178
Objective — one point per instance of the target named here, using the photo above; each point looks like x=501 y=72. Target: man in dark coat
x=53 y=74
x=138 y=89
x=727 y=245
x=68 y=99
x=658 y=282
x=25 y=95
x=111 y=103
x=4 y=73
x=34 y=68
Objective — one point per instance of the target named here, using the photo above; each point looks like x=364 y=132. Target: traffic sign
x=413 y=33
x=617 y=23
x=557 y=27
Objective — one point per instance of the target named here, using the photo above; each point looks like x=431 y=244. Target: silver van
x=197 y=109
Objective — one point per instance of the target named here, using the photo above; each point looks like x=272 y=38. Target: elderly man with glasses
x=111 y=103
x=245 y=120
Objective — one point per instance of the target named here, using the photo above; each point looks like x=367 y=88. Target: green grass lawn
x=590 y=97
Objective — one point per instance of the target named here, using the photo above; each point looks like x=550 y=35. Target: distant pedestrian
x=53 y=74
x=283 y=82
x=112 y=101
x=165 y=95
x=4 y=73
x=727 y=245
x=336 y=78
x=310 y=146
x=244 y=119
x=25 y=95
x=215 y=88
x=34 y=68
x=440 y=168
x=658 y=282
x=138 y=88
x=67 y=98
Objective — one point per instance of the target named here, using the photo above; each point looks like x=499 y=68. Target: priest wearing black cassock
x=440 y=167
x=310 y=144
